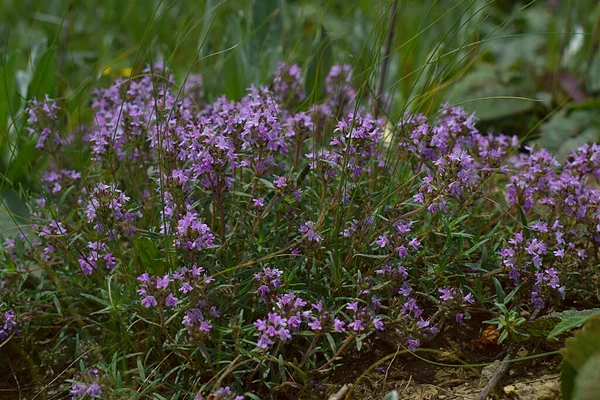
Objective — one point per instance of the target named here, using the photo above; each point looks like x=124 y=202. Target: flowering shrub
x=248 y=243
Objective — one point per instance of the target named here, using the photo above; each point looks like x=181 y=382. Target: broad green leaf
x=587 y=382
x=566 y=131
x=491 y=95
x=567 y=380
x=540 y=327
x=571 y=319
x=583 y=344
x=594 y=74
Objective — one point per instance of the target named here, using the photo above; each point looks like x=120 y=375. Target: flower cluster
x=42 y=123
x=107 y=211
x=193 y=278
x=325 y=321
x=283 y=321
x=354 y=148
x=58 y=181
x=547 y=282
x=268 y=281
x=362 y=319
x=94 y=256
x=309 y=232
x=399 y=240
x=222 y=393
x=535 y=173
x=8 y=323
x=155 y=291
x=197 y=320
x=338 y=84
x=87 y=384
x=192 y=234
x=288 y=85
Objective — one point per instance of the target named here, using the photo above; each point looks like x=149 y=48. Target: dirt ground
x=422 y=376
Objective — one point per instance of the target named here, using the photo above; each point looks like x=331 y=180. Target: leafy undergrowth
x=179 y=248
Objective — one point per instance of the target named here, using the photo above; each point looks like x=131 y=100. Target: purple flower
x=268 y=280
x=86 y=385
x=469 y=298
x=225 y=393
x=352 y=306
x=149 y=301
x=280 y=182
x=356 y=325
x=94 y=390
x=402 y=251
x=8 y=323
x=171 y=301
x=446 y=294
x=339 y=326
x=156 y=290
x=259 y=203
x=382 y=241
x=162 y=282
x=198 y=324
x=311 y=235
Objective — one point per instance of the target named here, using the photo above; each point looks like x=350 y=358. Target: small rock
x=522 y=352
x=509 y=390
x=442 y=375
x=548 y=390
x=488 y=372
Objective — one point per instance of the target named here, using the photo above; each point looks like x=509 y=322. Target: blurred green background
x=526 y=68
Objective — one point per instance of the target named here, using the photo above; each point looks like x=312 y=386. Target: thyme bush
x=232 y=249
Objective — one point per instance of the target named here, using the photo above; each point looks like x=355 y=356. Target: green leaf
x=567 y=380
x=393 y=395
x=236 y=68
x=541 y=326
x=594 y=74
x=44 y=76
x=267 y=21
x=583 y=344
x=587 y=382
x=331 y=341
x=472 y=249
x=492 y=95
x=358 y=343
x=571 y=319
x=141 y=369
x=499 y=291
x=319 y=66
x=512 y=294
x=503 y=336
x=566 y=131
